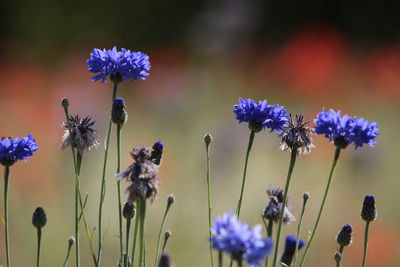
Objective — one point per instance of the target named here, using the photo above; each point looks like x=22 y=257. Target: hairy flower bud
x=344 y=237
x=118 y=112
x=39 y=218
x=368 y=211
x=129 y=211
x=207 y=139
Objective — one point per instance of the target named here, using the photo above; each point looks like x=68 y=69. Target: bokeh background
x=304 y=55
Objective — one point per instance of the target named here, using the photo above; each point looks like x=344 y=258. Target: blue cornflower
x=290 y=249
x=260 y=115
x=345 y=130
x=12 y=150
x=238 y=240
x=118 y=65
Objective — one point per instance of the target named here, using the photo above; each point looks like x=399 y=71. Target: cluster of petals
x=273 y=117
x=352 y=130
x=128 y=64
x=12 y=150
x=238 y=240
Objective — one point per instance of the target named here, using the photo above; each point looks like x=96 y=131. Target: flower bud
x=71 y=241
x=368 y=211
x=157 y=152
x=207 y=139
x=344 y=237
x=165 y=260
x=337 y=256
x=171 y=199
x=129 y=211
x=167 y=234
x=306 y=196
x=39 y=218
x=65 y=103
x=118 y=112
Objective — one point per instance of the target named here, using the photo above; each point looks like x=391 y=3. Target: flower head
x=368 y=211
x=118 y=65
x=345 y=130
x=238 y=240
x=296 y=135
x=290 y=249
x=12 y=150
x=142 y=173
x=82 y=133
x=273 y=210
x=260 y=115
x=344 y=237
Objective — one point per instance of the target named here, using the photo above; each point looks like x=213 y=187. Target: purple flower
x=345 y=130
x=12 y=150
x=290 y=249
x=238 y=240
x=118 y=65
x=260 y=115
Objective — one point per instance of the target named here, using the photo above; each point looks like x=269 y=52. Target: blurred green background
x=304 y=55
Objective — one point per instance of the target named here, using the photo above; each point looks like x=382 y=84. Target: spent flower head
x=260 y=115
x=142 y=174
x=118 y=65
x=84 y=136
x=296 y=135
x=12 y=150
x=290 y=249
x=239 y=241
x=345 y=130
x=273 y=210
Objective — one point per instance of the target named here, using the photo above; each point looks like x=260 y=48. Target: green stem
x=164 y=244
x=335 y=159
x=365 y=243
x=278 y=231
x=137 y=222
x=240 y=263
x=103 y=182
x=68 y=252
x=339 y=262
x=6 y=181
x=39 y=236
x=119 y=191
x=220 y=258
x=296 y=253
x=160 y=232
x=251 y=139
x=142 y=254
x=128 y=227
x=268 y=228
x=209 y=200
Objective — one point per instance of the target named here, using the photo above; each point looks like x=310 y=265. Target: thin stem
x=335 y=159
x=219 y=258
x=268 y=228
x=160 y=232
x=6 y=180
x=251 y=139
x=76 y=188
x=39 y=237
x=103 y=181
x=68 y=252
x=142 y=254
x=137 y=222
x=365 y=243
x=339 y=261
x=240 y=263
x=296 y=253
x=209 y=200
x=119 y=191
x=128 y=227
x=278 y=231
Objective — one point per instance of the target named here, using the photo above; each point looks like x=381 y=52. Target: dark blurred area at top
x=46 y=29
